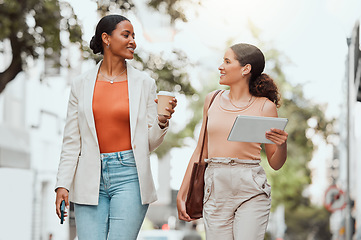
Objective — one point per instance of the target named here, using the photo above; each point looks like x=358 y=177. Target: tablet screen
x=253 y=128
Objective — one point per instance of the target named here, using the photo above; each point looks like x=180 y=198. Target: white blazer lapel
x=89 y=84
x=134 y=91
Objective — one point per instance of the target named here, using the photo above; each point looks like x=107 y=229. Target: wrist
x=163 y=124
x=282 y=146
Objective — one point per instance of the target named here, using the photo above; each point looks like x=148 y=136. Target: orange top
x=111 y=116
x=220 y=122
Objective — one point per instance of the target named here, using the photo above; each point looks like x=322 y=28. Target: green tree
x=173 y=8
x=171 y=75
x=32 y=28
x=308 y=222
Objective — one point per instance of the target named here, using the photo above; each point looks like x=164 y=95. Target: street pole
x=349 y=77
x=348 y=207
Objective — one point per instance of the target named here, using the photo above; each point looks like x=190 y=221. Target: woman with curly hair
x=237 y=197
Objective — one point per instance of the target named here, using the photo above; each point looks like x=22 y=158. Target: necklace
x=243 y=107
x=111 y=80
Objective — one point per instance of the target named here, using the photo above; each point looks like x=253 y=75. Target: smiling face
x=231 y=70
x=122 y=40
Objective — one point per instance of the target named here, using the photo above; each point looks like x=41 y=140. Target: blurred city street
x=312 y=51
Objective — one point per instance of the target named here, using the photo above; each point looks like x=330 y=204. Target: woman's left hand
x=164 y=119
x=279 y=137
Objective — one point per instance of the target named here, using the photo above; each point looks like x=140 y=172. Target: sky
x=310 y=34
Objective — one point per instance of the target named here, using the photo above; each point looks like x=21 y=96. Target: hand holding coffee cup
x=166 y=103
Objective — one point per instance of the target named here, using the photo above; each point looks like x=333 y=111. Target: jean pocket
x=128 y=162
x=260 y=178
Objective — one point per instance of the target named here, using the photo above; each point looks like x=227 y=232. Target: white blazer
x=80 y=164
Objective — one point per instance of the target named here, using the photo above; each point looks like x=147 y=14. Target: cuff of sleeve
x=56 y=188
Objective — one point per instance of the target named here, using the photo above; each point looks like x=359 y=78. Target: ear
x=246 y=69
x=105 y=38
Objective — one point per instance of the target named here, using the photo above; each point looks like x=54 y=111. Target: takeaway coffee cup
x=163 y=101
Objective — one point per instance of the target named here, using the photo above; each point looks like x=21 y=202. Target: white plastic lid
x=165 y=93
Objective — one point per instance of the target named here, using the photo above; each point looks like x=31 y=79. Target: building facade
x=346 y=223
x=32 y=116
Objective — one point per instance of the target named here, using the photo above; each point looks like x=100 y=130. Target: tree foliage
x=175 y=9
x=307 y=222
x=33 y=29
x=176 y=79
x=171 y=75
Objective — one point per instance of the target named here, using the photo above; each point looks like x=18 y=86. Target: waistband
x=232 y=161
x=117 y=155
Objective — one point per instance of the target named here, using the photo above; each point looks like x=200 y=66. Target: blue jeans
x=119 y=213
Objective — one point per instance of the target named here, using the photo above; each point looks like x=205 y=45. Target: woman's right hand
x=61 y=194
x=182 y=213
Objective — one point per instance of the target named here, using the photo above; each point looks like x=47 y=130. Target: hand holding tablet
x=253 y=128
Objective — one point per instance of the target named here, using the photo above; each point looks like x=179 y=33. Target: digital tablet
x=253 y=129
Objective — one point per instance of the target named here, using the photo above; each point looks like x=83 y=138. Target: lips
x=131 y=49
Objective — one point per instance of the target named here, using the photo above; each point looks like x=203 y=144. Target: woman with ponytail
x=237 y=197
x=112 y=126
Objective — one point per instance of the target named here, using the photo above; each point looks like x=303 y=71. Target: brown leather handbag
x=194 y=201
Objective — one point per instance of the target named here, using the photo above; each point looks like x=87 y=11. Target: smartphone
x=62 y=209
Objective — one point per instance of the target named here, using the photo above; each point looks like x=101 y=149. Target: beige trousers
x=237 y=199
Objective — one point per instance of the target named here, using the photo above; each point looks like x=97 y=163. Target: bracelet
x=162 y=124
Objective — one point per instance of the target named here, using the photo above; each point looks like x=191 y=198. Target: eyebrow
x=227 y=59
x=128 y=32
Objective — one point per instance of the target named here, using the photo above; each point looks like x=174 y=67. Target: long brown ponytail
x=264 y=86
x=260 y=84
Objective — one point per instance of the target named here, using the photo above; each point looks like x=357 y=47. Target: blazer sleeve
x=155 y=133
x=71 y=143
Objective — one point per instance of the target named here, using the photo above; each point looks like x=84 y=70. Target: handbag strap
x=205 y=127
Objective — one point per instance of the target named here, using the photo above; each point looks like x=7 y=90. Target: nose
x=132 y=42
x=131 y=39
x=220 y=68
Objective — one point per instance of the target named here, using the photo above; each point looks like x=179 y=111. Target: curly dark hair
x=260 y=84
x=107 y=24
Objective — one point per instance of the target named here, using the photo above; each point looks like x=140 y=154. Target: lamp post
x=349 y=76
x=353 y=72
